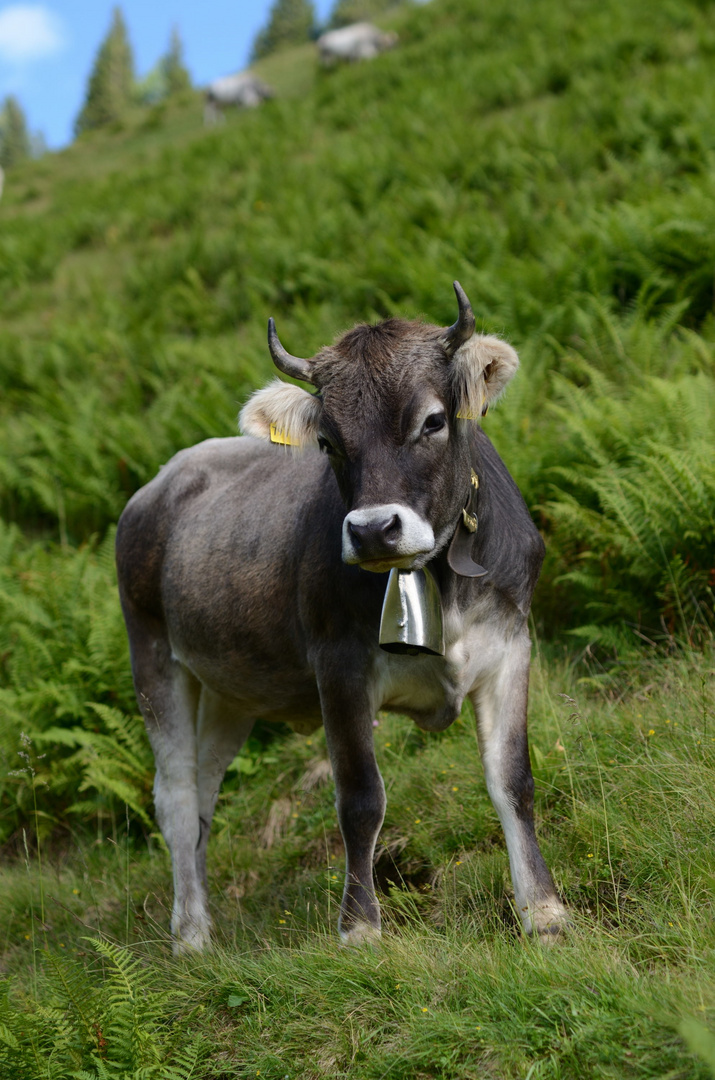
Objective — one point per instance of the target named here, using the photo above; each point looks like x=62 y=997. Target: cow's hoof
x=361 y=933
x=546 y=922
x=191 y=939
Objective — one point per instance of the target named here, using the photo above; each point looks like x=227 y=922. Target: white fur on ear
x=481 y=369
x=292 y=412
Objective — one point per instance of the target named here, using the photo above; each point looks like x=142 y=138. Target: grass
x=624 y=772
x=558 y=160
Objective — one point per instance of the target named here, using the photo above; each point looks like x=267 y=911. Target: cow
x=244 y=90
x=252 y=574
x=360 y=41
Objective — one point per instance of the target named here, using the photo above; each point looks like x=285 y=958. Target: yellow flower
x=418 y=820
x=334 y=877
x=455 y=789
x=75 y=892
x=425 y=1010
x=589 y=856
x=458 y=862
x=388 y=744
x=281 y=921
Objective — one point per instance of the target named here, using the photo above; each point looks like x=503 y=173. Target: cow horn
x=461 y=331
x=294 y=366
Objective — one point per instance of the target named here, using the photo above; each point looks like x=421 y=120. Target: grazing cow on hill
x=245 y=584
x=361 y=41
x=243 y=89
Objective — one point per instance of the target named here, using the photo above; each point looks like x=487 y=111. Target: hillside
x=559 y=160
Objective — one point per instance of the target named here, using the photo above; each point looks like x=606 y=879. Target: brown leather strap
x=459 y=555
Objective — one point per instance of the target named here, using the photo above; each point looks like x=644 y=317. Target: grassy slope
x=558 y=160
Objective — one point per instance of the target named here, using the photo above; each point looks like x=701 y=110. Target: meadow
x=559 y=160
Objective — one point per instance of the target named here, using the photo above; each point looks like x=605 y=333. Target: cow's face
x=392 y=411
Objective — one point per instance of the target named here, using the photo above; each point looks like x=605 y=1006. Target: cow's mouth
x=383 y=565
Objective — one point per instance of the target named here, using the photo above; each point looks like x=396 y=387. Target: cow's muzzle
x=380 y=538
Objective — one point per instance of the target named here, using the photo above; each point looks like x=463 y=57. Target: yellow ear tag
x=473 y=416
x=280 y=437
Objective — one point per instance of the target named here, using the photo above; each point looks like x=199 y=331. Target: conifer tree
x=14 y=138
x=111 y=82
x=176 y=76
x=350 y=11
x=291 y=22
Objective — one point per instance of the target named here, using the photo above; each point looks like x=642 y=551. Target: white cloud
x=29 y=32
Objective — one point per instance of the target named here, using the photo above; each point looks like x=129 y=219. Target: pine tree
x=14 y=138
x=350 y=11
x=176 y=76
x=291 y=22
x=111 y=82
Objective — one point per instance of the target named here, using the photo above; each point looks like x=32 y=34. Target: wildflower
x=294 y=815
x=397 y=986
x=652 y=731
x=589 y=856
x=425 y=1010
x=455 y=789
x=334 y=877
x=75 y=892
x=62 y=944
x=458 y=862
x=281 y=921
x=418 y=820
x=388 y=744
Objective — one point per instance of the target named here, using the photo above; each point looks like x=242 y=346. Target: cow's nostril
x=393 y=528
x=357 y=534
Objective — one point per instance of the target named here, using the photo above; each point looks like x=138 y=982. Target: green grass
x=559 y=161
x=625 y=806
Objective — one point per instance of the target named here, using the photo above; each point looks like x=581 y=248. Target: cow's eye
x=325 y=446
x=434 y=422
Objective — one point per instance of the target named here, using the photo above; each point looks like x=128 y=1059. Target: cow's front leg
x=501 y=703
x=360 y=797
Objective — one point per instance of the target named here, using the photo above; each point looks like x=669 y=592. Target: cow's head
x=392 y=410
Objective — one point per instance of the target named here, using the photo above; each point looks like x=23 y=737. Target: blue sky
x=47 y=49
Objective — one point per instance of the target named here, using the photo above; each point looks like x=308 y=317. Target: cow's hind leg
x=501 y=703
x=168 y=696
x=221 y=734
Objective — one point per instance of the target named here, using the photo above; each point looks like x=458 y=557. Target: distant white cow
x=361 y=41
x=243 y=90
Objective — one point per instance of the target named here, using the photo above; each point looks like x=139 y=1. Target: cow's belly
x=255 y=691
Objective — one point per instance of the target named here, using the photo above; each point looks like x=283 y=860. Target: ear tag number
x=280 y=437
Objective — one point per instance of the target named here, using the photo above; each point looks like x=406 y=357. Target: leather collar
x=459 y=554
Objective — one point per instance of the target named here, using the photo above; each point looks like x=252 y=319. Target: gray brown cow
x=242 y=573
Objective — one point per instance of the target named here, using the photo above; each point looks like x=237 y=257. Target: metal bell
x=411 y=621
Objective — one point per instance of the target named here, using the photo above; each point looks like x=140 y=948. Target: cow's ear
x=481 y=368
x=282 y=413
